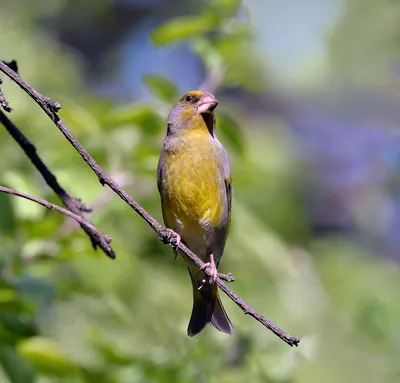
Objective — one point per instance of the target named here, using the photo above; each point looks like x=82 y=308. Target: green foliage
x=162 y=88
x=46 y=356
x=144 y=117
x=17 y=369
x=184 y=27
x=230 y=133
x=68 y=314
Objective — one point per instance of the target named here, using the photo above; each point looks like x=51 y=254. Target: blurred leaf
x=230 y=134
x=7 y=216
x=184 y=27
x=80 y=118
x=46 y=355
x=208 y=52
x=17 y=369
x=244 y=68
x=230 y=6
x=24 y=209
x=7 y=295
x=141 y=115
x=18 y=322
x=162 y=88
x=10 y=303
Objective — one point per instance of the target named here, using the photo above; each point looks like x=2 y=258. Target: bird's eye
x=189 y=98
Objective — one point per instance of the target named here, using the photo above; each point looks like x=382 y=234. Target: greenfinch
x=195 y=185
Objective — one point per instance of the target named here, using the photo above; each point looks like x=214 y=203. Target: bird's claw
x=213 y=269
x=173 y=238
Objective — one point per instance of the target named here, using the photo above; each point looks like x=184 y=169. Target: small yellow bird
x=195 y=185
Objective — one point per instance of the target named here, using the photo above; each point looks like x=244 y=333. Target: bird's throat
x=209 y=120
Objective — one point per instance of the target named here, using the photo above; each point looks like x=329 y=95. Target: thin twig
x=3 y=102
x=101 y=238
x=99 y=202
x=213 y=79
x=73 y=204
x=163 y=234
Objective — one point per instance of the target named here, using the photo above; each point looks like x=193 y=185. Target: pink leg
x=213 y=269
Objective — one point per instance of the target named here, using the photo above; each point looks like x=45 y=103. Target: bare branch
x=161 y=231
x=3 y=102
x=73 y=204
x=101 y=238
x=213 y=79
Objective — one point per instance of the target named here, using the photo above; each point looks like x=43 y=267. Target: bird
x=195 y=185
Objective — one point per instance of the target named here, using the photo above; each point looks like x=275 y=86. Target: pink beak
x=207 y=104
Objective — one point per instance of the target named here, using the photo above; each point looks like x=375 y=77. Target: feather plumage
x=194 y=180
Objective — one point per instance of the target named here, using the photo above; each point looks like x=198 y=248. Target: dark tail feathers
x=220 y=319
x=207 y=307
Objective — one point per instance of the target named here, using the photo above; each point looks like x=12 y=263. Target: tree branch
x=51 y=108
x=104 y=197
x=3 y=102
x=101 y=238
x=213 y=79
x=73 y=204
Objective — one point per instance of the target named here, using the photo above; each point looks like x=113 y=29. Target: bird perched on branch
x=195 y=185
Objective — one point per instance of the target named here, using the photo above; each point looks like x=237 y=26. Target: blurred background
x=309 y=93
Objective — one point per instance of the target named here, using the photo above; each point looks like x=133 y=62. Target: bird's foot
x=213 y=269
x=173 y=238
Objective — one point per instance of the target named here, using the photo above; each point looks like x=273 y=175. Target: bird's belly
x=194 y=205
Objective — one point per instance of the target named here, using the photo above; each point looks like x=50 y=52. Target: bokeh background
x=309 y=93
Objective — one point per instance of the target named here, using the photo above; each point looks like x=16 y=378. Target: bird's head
x=192 y=111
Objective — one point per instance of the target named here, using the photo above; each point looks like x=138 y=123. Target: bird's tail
x=207 y=307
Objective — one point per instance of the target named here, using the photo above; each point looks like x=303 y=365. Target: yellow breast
x=193 y=191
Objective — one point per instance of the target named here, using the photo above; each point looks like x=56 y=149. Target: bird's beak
x=207 y=104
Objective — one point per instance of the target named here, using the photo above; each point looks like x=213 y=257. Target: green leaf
x=162 y=88
x=229 y=132
x=16 y=368
x=210 y=55
x=141 y=115
x=184 y=27
x=17 y=322
x=244 y=66
x=46 y=355
x=76 y=115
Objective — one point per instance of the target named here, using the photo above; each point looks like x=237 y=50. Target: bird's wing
x=159 y=171
x=227 y=175
x=221 y=233
x=160 y=188
x=228 y=188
